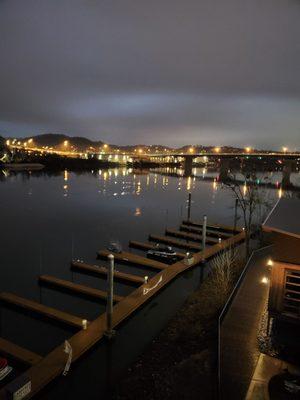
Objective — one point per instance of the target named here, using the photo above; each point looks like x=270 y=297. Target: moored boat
x=5 y=369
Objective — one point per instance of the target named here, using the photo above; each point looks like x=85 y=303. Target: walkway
x=238 y=334
x=266 y=368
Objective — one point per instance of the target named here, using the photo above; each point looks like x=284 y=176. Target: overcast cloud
x=161 y=71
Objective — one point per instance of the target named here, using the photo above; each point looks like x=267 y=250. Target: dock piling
x=110 y=295
x=189 y=207
x=204 y=232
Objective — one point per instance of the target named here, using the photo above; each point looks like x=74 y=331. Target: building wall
x=286 y=248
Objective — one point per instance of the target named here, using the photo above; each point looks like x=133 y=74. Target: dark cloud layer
x=163 y=71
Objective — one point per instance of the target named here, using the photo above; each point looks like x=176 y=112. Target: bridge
x=288 y=159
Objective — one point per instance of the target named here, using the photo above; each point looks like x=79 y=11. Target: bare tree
x=252 y=200
x=225 y=268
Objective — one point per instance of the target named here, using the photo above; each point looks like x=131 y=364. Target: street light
x=284 y=149
x=217 y=149
x=66 y=142
x=248 y=149
x=191 y=150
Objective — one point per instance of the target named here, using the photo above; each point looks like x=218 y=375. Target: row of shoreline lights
x=247 y=149
x=105 y=146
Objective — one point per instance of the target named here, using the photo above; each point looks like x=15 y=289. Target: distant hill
x=83 y=144
x=56 y=140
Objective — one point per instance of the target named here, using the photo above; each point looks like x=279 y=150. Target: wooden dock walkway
x=191 y=236
x=27 y=357
x=175 y=243
x=103 y=271
x=131 y=258
x=209 y=232
x=76 y=287
x=149 y=246
x=52 y=365
x=38 y=308
x=219 y=227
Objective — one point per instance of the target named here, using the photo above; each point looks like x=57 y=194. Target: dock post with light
x=110 y=295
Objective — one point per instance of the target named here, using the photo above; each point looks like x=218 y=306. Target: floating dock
x=43 y=370
x=220 y=228
x=175 y=243
x=130 y=258
x=39 y=308
x=27 y=357
x=191 y=236
x=76 y=287
x=210 y=232
x=103 y=271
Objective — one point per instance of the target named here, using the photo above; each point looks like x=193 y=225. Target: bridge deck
x=130 y=258
x=9 y=349
x=76 y=287
x=49 y=312
x=95 y=269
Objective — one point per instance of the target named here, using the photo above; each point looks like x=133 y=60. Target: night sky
x=161 y=71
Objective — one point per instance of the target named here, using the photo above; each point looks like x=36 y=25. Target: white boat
x=163 y=253
x=4 y=372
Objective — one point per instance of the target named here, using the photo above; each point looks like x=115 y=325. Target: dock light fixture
x=146 y=279
x=270 y=262
x=189 y=259
x=84 y=324
x=220 y=240
x=264 y=280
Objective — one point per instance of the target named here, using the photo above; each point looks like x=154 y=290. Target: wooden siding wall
x=286 y=249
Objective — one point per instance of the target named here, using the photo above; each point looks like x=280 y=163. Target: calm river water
x=47 y=220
